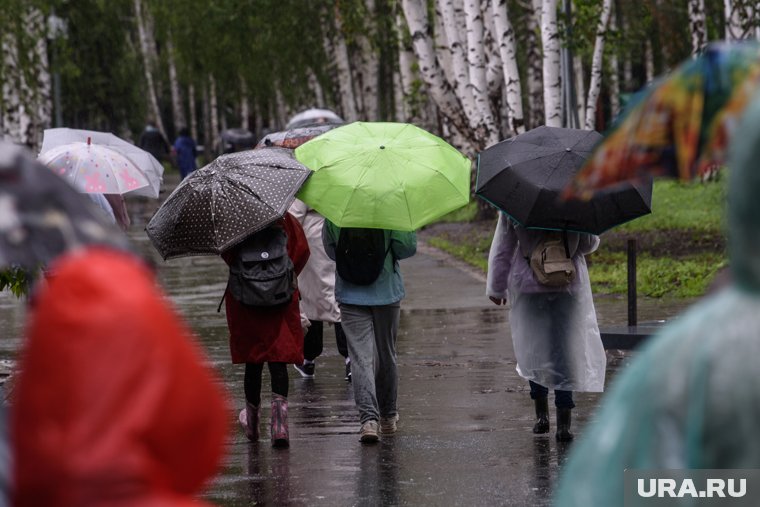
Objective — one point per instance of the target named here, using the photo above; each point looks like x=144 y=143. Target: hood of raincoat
x=114 y=404
x=744 y=201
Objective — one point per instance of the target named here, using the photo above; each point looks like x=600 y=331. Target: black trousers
x=313 y=340
x=252 y=381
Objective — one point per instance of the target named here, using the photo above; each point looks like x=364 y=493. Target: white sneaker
x=368 y=433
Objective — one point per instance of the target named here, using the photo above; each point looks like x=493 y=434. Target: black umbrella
x=222 y=203
x=42 y=216
x=525 y=176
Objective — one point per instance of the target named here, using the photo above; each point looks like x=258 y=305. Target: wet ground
x=465 y=430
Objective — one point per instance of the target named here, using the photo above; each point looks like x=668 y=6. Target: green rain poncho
x=691 y=397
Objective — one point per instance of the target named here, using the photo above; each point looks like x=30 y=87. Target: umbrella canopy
x=313 y=117
x=151 y=169
x=42 y=216
x=680 y=125
x=525 y=175
x=222 y=203
x=383 y=175
x=294 y=138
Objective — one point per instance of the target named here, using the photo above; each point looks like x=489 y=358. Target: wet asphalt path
x=465 y=429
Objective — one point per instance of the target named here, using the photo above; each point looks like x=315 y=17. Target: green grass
x=475 y=254
x=675 y=205
x=466 y=213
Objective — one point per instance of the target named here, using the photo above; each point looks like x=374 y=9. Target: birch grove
x=464 y=69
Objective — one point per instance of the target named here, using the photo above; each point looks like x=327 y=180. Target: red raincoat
x=269 y=334
x=114 y=404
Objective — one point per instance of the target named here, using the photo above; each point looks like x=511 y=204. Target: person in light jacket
x=370 y=316
x=316 y=284
x=554 y=329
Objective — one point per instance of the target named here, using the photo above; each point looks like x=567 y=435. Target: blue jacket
x=186 y=152
x=389 y=286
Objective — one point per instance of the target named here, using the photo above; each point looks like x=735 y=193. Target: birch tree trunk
x=148 y=53
x=399 y=100
x=178 y=112
x=213 y=114
x=193 y=116
x=614 y=71
x=627 y=63
x=649 y=61
x=733 y=12
x=551 y=64
x=258 y=120
x=595 y=83
x=11 y=98
x=697 y=26
x=580 y=90
x=209 y=150
x=508 y=52
x=406 y=62
x=316 y=89
x=534 y=62
x=415 y=12
x=245 y=107
x=458 y=58
x=345 y=84
x=476 y=61
x=368 y=77
x=281 y=111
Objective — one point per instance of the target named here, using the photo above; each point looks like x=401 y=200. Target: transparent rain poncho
x=691 y=397
x=554 y=330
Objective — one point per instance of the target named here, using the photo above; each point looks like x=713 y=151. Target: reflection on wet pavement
x=465 y=429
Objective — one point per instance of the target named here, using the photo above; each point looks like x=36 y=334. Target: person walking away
x=264 y=320
x=369 y=289
x=185 y=152
x=543 y=276
x=115 y=404
x=316 y=283
x=152 y=141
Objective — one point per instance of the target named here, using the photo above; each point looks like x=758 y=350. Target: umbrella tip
x=382 y=147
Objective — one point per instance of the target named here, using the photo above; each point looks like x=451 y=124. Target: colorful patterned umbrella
x=219 y=205
x=680 y=125
x=383 y=175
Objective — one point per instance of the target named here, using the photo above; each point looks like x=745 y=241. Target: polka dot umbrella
x=222 y=203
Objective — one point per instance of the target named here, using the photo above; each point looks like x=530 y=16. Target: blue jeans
x=562 y=399
x=371 y=339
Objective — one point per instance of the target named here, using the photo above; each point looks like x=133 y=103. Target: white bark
x=508 y=51
x=551 y=64
x=494 y=63
x=614 y=72
x=213 y=112
x=11 y=97
x=368 y=77
x=178 y=112
x=595 y=83
x=209 y=148
x=406 y=76
x=457 y=51
x=316 y=89
x=476 y=61
x=148 y=50
x=627 y=63
x=733 y=12
x=649 y=61
x=432 y=73
x=580 y=90
x=345 y=84
x=399 y=102
x=534 y=62
x=281 y=112
x=697 y=26
x=245 y=107
x=193 y=115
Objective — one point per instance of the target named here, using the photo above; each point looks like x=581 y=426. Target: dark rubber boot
x=542 y=415
x=563 y=425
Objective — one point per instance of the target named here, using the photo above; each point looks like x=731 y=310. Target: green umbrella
x=384 y=176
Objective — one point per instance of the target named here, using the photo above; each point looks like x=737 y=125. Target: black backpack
x=262 y=273
x=360 y=254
